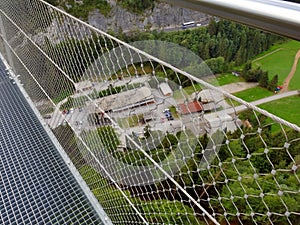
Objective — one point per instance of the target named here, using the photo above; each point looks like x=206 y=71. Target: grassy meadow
x=223 y=79
x=295 y=82
x=286 y=108
x=279 y=60
x=253 y=94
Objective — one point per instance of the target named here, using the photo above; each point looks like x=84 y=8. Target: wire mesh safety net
x=153 y=139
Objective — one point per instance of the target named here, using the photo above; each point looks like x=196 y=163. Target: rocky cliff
x=162 y=17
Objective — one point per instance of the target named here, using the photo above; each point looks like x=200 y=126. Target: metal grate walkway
x=36 y=186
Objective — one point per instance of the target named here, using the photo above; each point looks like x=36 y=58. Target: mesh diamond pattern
x=155 y=143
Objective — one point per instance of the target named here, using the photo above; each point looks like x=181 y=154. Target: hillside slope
x=114 y=15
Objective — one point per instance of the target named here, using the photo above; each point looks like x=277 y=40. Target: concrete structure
x=83 y=86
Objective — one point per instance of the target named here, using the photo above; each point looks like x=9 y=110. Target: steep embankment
x=161 y=17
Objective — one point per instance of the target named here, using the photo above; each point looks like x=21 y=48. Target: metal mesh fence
x=153 y=139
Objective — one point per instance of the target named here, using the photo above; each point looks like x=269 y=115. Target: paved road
x=204 y=22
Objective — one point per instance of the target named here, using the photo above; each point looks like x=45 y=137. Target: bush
x=137 y=6
x=83 y=10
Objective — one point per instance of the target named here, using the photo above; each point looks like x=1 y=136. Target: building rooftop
x=220 y=121
x=126 y=100
x=190 y=107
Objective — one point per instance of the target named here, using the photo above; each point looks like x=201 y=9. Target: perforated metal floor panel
x=36 y=186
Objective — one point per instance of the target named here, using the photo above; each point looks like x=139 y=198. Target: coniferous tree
x=246 y=69
x=212 y=28
x=273 y=83
x=264 y=79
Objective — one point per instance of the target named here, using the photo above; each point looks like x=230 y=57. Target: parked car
x=168 y=114
x=48 y=116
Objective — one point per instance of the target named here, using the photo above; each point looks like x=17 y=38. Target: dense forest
x=136 y=6
x=234 y=42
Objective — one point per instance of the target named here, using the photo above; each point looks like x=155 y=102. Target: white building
x=165 y=89
x=220 y=121
x=208 y=95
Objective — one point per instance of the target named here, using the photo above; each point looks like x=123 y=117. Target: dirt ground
x=238 y=86
x=291 y=74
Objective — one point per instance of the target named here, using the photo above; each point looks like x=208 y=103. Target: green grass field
x=295 y=82
x=279 y=60
x=223 y=79
x=286 y=108
x=253 y=94
x=184 y=94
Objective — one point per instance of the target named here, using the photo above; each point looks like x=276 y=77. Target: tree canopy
x=136 y=6
x=234 y=42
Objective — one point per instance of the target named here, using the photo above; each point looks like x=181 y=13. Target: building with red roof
x=190 y=107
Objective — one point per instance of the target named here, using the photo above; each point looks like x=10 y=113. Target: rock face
x=161 y=17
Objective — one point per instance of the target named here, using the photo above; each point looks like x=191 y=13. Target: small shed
x=165 y=89
x=208 y=95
